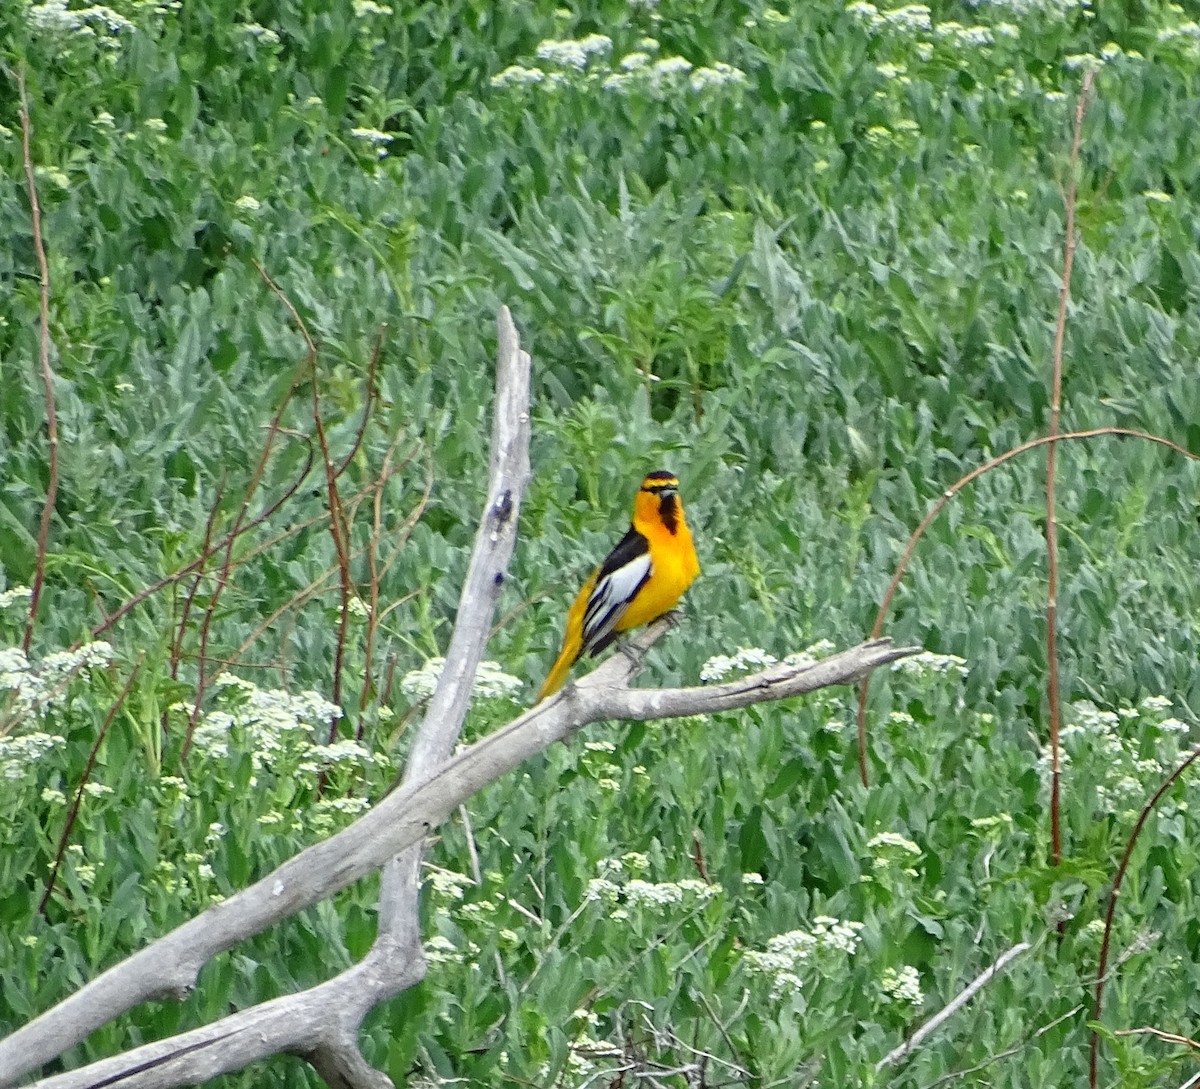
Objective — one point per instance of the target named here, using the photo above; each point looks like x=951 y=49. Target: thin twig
x=181 y=573
x=954 y=1074
x=337 y=527
x=227 y=564
x=83 y=782
x=39 y=572
x=206 y=550
x=953 y=1006
x=1170 y=1037
x=1064 y=296
x=368 y=403
x=1110 y=913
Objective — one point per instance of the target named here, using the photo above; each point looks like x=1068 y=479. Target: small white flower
x=668 y=67
x=574 y=53
x=743 y=660
x=18 y=595
x=927 y=663
x=517 y=75
x=372 y=136
x=718 y=75
x=902 y=986
x=601 y=889
x=894 y=839
x=19 y=752
x=262 y=34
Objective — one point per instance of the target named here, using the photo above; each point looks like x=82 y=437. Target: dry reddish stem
x=368 y=402
x=1102 y=968
x=1064 y=296
x=228 y=564
x=206 y=550
x=936 y=509
x=83 y=782
x=337 y=525
x=339 y=530
x=39 y=573
x=182 y=572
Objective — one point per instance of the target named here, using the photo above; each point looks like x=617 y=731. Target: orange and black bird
x=642 y=578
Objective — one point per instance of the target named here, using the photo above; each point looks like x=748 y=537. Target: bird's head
x=658 y=500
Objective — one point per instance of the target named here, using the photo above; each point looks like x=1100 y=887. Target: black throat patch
x=668 y=509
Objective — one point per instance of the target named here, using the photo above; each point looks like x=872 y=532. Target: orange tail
x=558 y=675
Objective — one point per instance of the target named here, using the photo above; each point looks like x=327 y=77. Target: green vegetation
x=809 y=259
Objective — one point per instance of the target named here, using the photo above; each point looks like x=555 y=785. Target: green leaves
x=821 y=293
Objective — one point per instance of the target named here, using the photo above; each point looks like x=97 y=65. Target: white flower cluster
x=491 y=682
x=343 y=752
x=787 y=954
x=927 y=664
x=1054 y=8
x=719 y=74
x=18 y=753
x=97 y=22
x=37 y=686
x=588 y=60
x=517 y=75
x=908 y=17
x=811 y=654
x=18 y=595
x=742 y=660
x=640 y=893
x=959 y=35
x=615 y=886
x=266 y=715
x=902 y=986
x=574 y=52
x=1127 y=773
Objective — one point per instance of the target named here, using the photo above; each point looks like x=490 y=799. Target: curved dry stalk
x=911 y=547
x=1110 y=913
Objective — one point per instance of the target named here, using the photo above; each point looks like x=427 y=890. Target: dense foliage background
x=808 y=257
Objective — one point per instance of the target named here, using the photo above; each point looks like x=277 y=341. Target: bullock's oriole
x=643 y=577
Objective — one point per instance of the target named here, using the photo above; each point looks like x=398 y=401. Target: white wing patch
x=610 y=598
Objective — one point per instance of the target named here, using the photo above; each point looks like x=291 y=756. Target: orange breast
x=674 y=567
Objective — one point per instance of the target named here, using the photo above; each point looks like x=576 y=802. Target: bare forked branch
x=321 y=1024
x=169 y=967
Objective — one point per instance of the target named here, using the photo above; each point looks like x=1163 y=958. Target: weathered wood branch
x=321 y=1024
x=168 y=968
